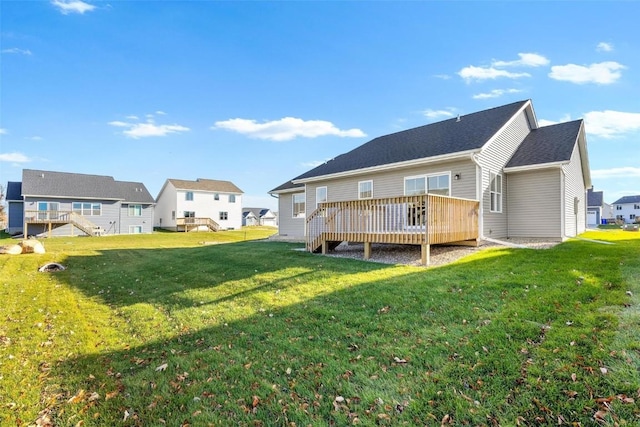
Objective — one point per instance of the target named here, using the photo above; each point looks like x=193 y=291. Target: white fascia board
x=527 y=105
x=390 y=166
x=553 y=165
x=289 y=190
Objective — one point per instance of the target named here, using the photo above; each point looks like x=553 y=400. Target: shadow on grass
x=328 y=340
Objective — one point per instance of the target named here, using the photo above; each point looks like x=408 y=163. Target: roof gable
x=210 y=185
x=456 y=135
x=548 y=144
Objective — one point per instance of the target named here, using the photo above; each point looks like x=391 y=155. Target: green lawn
x=162 y=329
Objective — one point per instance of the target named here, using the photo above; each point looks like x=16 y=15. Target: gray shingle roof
x=81 y=186
x=627 y=199
x=257 y=212
x=595 y=198
x=289 y=185
x=14 y=191
x=470 y=132
x=201 y=184
x=549 y=144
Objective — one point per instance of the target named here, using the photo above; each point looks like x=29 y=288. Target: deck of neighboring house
x=191 y=224
x=50 y=220
x=408 y=220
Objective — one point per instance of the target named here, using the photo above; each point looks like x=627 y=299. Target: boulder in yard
x=32 y=247
x=11 y=250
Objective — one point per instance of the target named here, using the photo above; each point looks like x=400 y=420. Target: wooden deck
x=53 y=219
x=187 y=224
x=408 y=220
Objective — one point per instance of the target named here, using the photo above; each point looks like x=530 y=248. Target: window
x=224 y=216
x=321 y=195
x=232 y=198
x=135 y=210
x=87 y=209
x=216 y=196
x=48 y=210
x=135 y=229
x=173 y=215
x=432 y=184
x=620 y=217
x=496 y=192
x=636 y=206
x=632 y=216
x=618 y=207
x=188 y=195
x=365 y=190
x=299 y=205
x=189 y=214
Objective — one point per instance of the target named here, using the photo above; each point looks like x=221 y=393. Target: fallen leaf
x=398 y=360
x=162 y=367
x=574 y=377
x=93 y=397
x=256 y=401
x=604 y=370
x=79 y=397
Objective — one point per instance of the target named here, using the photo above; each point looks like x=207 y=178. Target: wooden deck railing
x=197 y=222
x=418 y=220
x=61 y=218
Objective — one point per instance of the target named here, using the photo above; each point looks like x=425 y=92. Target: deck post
x=367 y=250
x=49 y=234
x=425 y=252
x=324 y=247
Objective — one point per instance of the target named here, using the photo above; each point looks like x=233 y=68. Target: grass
x=163 y=330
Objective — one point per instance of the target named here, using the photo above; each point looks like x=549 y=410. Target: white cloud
x=34 y=138
x=137 y=130
x=14 y=157
x=604 y=47
x=3 y=131
x=563 y=119
x=609 y=124
x=439 y=114
x=16 y=50
x=133 y=117
x=602 y=73
x=495 y=93
x=313 y=163
x=621 y=172
x=472 y=73
x=442 y=76
x=286 y=129
x=526 y=60
x=72 y=6
x=161 y=113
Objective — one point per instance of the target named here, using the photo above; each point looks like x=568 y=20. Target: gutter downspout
x=474 y=159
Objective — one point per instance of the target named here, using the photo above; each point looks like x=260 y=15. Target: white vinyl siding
x=288 y=225
x=535 y=204
x=575 y=211
x=494 y=157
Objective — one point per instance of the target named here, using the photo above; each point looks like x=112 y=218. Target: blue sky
x=259 y=92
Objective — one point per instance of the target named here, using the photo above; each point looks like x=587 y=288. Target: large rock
x=11 y=250
x=32 y=247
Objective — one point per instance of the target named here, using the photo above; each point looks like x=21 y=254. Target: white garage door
x=592 y=218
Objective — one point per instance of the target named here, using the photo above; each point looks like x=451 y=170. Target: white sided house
x=203 y=204
x=627 y=209
x=490 y=174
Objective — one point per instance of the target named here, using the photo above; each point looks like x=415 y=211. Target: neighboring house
x=527 y=181
x=595 y=207
x=627 y=209
x=204 y=204
x=259 y=216
x=70 y=204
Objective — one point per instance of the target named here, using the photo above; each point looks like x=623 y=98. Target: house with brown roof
x=490 y=174
x=203 y=204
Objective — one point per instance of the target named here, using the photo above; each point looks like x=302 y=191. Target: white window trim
x=133 y=206
x=426 y=180
x=326 y=195
x=132 y=227
x=360 y=190
x=293 y=205
x=498 y=193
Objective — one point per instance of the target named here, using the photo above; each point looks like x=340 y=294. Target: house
x=203 y=204
x=70 y=204
x=627 y=209
x=259 y=216
x=526 y=180
x=595 y=207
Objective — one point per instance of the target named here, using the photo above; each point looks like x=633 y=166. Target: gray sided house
x=259 y=216
x=69 y=204
x=527 y=182
x=595 y=207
